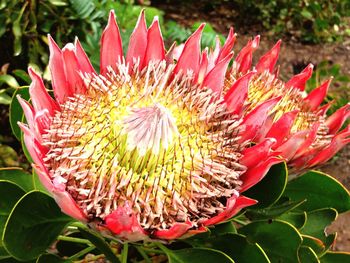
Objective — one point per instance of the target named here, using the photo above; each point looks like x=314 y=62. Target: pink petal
x=68 y=205
x=269 y=60
x=233 y=205
x=280 y=130
x=309 y=141
x=323 y=110
x=255 y=174
x=191 y=54
x=253 y=155
x=138 y=41
x=169 y=56
x=215 y=78
x=178 y=51
x=254 y=120
x=213 y=55
x=337 y=119
x=40 y=98
x=227 y=47
x=288 y=149
x=123 y=222
x=236 y=96
x=111 y=45
x=28 y=112
x=202 y=67
x=44 y=178
x=245 y=57
x=174 y=232
x=83 y=60
x=59 y=80
x=72 y=69
x=338 y=142
x=299 y=81
x=316 y=96
x=155 y=45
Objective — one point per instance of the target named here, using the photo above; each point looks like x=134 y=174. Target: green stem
x=125 y=253
x=74 y=240
x=81 y=253
x=162 y=247
x=143 y=254
x=239 y=221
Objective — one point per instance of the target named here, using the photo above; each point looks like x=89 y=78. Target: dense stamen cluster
x=153 y=141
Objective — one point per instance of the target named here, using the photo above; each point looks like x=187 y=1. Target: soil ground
x=294 y=56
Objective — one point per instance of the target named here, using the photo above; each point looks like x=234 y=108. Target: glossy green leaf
x=335 y=257
x=16 y=112
x=270 y=188
x=33 y=225
x=316 y=244
x=272 y=211
x=297 y=219
x=239 y=248
x=307 y=255
x=99 y=242
x=320 y=190
x=197 y=255
x=20 y=73
x=49 y=258
x=317 y=221
x=280 y=240
x=223 y=228
x=9 y=80
x=10 y=193
x=17 y=176
x=4 y=97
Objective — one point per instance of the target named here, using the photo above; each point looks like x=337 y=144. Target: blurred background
x=315 y=32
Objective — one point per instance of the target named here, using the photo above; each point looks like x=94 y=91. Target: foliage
x=310 y=21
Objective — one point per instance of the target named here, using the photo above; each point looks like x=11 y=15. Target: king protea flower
x=148 y=148
x=304 y=135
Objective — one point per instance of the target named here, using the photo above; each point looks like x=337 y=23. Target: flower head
x=148 y=148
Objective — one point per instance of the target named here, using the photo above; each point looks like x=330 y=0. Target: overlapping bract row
x=273 y=139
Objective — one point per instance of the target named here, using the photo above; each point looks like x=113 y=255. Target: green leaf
x=34 y=223
x=223 y=228
x=271 y=187
x=239 y=248
x=22 y=75
x=279 y=240
x=99 y=242
x=45 y=258
x=16 y=112
x=335 y=257
x=317 y=221
x=320 y=190
x=197 y=255
x=317 y=245
x=273 y=211
x=307 y=255
x=10 y=193
x=305 y=13
x=298 y=220
x=4 y=98
x=17 y=176
x=9 y=80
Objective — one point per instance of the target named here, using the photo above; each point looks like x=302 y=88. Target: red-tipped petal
x=191 y=54
x=213 y=55
x=309 y=141
x=215 y=78
x=28 y=112
x=227 y=47
x=316 y=96
x=256 y=118
x=337 y=119
x=68 y=205
x=155 y=45
x=40 y=98
x=238 y=93
x=338 y=142
x=72 y=68
x=299 y=81
x=253 y=155
x=44 y=178
x=255 y=174
x=174 y=232
x=233 y=206
x=123 y=222
x=59 y=80
x=288 y=149
x=111 y=45
x=138 y=41
x=203 y=67
x=280 y=129
x=245 y=57
x=84 y=61
x=178 y=51
x=269 y=60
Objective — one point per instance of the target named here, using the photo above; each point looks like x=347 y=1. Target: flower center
x=158 y=144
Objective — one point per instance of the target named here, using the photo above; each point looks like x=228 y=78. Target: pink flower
x=148 y=148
